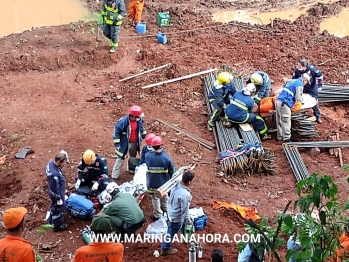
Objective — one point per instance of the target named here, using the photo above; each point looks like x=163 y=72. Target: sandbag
x=80 y=207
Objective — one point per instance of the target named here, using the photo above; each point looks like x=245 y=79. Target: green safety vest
x=111 y=16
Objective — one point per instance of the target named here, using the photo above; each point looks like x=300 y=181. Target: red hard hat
x=156 y=141
x=135 y=111
x=149 y=138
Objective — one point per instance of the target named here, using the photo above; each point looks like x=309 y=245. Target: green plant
x=74 y=26
x=92 y=30
x=38 y=257
x=99 y=19
x=318 y=238
x=43 y=228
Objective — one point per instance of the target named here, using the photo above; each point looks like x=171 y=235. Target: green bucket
x=163 y=19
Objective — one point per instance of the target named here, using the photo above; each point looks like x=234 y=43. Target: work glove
x=95 y=186
x=77 y=184
x=60 y=202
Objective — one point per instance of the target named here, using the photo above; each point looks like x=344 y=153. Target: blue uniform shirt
x=266 y=86
x=97 y=170
x=240 y=107
x=315 y=77
x=160 y=169
x=288 y=93
x=221 y=94
x=145 y=150
x=56 y=181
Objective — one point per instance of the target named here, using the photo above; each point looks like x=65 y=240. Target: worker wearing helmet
x=160 y=170
x=147 y=147
x=291 y=92
x=219 y=97
x=96 y=174
x=263 y=85
x=128 y=134
x=241 y=108
x=312 y=87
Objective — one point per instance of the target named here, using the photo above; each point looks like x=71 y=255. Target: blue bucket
x=162 y=39
x=141 y=28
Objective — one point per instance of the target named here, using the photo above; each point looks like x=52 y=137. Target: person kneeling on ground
x=240 y=111
x=178 y=212
x=125 y=214
x=96 y=176
x=106 y=251
x=13 y=247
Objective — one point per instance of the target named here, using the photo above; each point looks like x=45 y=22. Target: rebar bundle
x=326 y=144
x=294 y=158
x=303 y=127
x=334 y=93
x=228 y=139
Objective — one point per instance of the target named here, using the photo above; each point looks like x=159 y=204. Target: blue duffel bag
x=200 y=222
x=80 y=207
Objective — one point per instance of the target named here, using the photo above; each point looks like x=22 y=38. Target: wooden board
x=246 y=127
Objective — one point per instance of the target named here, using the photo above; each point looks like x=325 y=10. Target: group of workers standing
x=238 y=107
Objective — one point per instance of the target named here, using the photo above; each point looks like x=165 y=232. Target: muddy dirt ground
x=59 y=89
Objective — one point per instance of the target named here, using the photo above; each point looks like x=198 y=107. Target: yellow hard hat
x=89 y=157
x=223 y=78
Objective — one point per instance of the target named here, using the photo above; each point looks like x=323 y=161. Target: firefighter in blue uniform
x=113 y=11
x=219 y=97
x=240 y=111
x=312 y=87
x=160 y=170
x=96 y=176
x=128 y=134
x=262 y=82
x=56 y=191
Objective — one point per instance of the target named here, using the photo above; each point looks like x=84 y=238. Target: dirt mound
x=9 y=184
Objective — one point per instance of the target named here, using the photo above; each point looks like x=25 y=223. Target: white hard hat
x=306 y=76
x=256 y=79
x=111 y=187
x=104 y=197
x=249 y=89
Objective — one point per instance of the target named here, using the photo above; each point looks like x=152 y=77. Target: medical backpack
x=80 y=207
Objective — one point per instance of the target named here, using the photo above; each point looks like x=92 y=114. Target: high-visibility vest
x=111 y=16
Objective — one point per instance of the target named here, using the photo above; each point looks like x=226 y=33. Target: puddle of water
x=337 y=25
x=254 y=17
x=20 y=15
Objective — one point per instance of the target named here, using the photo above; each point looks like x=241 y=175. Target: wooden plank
x=339 y=152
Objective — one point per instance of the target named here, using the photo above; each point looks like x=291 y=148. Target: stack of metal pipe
x=294 y=158
x=229 y=138
x=334 y=93
x=303 y=127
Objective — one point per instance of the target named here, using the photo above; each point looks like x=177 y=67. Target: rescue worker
x=126 y=216
x=268 y=103
x=312 y=87
x=263 y=85
x=160 y=170
x=135 y=9
x=128 y=134
x=13 y=247
x=147 y=147
x=96 y=176
x=56 y=191
x=240 y=111
x=102 y=250
x=291 y=92
x=219 y=97
x=178 y=212
x=113 y=11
